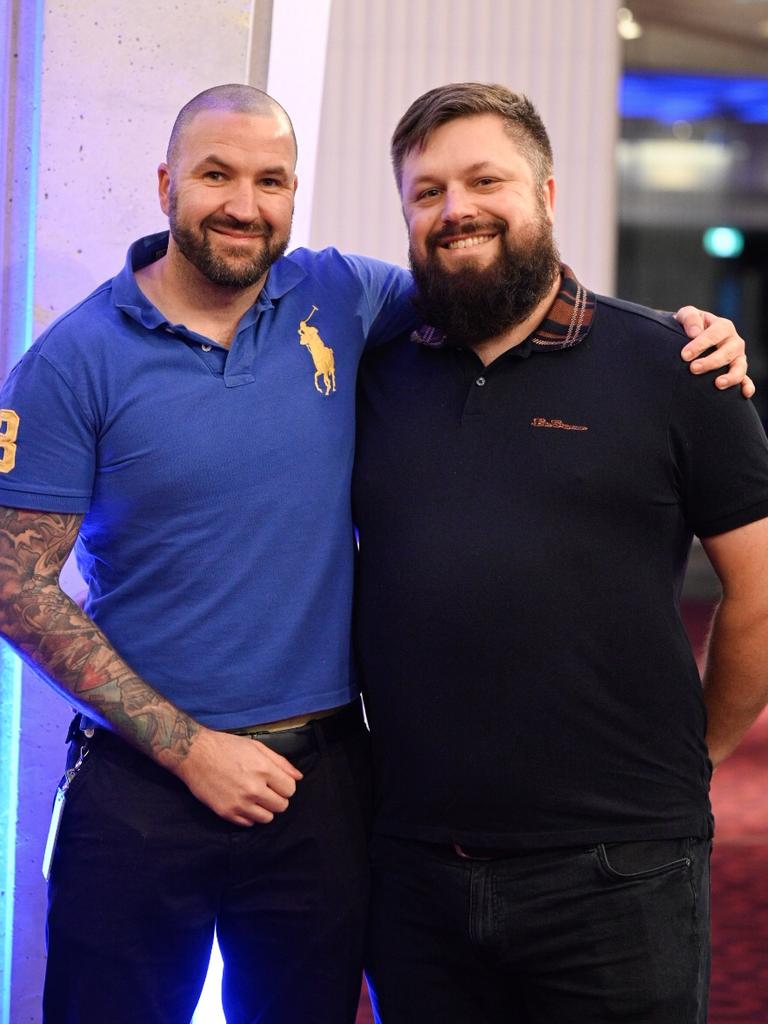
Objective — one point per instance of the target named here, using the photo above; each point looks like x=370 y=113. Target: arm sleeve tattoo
x=53 y=635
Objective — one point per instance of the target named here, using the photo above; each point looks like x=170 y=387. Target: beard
x=229 y=267
x=472 y=303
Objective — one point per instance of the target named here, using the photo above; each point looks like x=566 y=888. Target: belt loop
x=319 y=735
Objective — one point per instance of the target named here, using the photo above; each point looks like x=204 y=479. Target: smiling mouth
x=241 y=235
x=468 y=241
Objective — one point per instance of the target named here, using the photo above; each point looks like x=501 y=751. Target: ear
x=164 y=187
x=548 y=190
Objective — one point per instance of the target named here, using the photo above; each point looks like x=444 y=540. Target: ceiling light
x=626 y=25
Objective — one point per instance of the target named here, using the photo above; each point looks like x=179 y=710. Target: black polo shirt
x=524 y=530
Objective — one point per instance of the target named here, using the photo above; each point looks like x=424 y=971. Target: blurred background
x=692 y=161
x=658 y=113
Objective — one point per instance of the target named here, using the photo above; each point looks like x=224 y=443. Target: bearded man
x=530 y=471
x=171 y=424
x=190 y=427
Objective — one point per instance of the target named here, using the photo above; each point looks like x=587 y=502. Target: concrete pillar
x=113 y=77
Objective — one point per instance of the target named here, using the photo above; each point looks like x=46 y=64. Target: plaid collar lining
x=567 y=322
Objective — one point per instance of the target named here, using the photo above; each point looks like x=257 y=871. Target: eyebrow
x=472 y=169
x=214 y=161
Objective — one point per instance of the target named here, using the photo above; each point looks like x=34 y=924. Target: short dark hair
x=235 y=97
x=462 y=99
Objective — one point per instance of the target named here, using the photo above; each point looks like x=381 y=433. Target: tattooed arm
x=239 y=779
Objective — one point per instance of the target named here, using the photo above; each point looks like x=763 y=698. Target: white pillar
x=296 y=78
x=113 y=77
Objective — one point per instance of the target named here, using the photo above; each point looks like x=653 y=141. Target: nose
x=458 y=205
x=241 y=202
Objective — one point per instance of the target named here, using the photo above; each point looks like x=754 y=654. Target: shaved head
x=235 y=98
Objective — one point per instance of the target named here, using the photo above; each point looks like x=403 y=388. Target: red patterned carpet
x=739 y=990
x=739 y=993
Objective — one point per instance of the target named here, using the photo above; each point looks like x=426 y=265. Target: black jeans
x=618 y=932
x=143 y=872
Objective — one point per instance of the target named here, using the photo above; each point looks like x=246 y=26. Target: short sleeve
x=389 y=290
x=47 y=444
x=720 y=453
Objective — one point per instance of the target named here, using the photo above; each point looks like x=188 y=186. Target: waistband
x=484 y=852
x=316 y=734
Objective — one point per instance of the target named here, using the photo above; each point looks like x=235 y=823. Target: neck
x=491 y=348
x=185 y=296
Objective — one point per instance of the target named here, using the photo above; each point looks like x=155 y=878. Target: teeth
x=465 y=243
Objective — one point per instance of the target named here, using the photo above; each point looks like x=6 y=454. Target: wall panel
x=382 y=54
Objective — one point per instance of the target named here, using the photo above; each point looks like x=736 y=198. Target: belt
x=314 y=735
x=304 y=739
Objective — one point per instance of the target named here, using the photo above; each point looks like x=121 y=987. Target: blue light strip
x=21 y=33
x=668 y=97
x=10 y=723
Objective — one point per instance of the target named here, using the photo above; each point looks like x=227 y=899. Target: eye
x=486 y=182
x=214 y=176
x=428 y=193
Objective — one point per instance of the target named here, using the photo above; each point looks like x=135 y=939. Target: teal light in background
x=21 y=48
x=723 y=242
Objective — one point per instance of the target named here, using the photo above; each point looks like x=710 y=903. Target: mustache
x=253 y=228
x=468 y=228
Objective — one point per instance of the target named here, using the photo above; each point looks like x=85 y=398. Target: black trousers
x=143 y=873
x=612 y=933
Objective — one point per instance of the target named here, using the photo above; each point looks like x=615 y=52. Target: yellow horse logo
x=322 y=356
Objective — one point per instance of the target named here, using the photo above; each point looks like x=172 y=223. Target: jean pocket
x=643 y=858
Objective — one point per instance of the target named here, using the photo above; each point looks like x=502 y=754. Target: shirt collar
x=567 y=321
x=283 y=275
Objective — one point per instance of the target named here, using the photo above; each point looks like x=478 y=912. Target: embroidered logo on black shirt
x=540 y=421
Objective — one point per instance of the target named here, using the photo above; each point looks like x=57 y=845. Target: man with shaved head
x=189 y=427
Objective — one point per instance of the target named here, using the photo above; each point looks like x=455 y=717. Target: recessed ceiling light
x=626 y=25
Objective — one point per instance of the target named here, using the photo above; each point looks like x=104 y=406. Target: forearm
x=53 y=635
x=736 y=674
x=240 y=780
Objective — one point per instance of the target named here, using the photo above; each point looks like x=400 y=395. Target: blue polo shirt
x=217 y=541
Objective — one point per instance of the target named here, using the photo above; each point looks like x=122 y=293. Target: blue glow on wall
x=10 y=715
x=21 y=47
x=667 y=97
x=209 y=1009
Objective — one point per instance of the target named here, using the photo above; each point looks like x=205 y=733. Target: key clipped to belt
x=58 y=809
